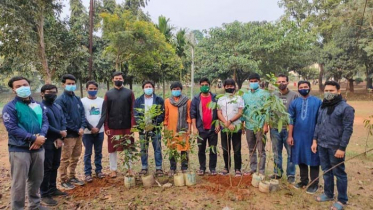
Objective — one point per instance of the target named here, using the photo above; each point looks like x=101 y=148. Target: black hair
x=48 y=87
x=67 y=76
x=117 y=73
x=147 y=82
x=304 y=82
x=17 y=78
x=176 y=85
x=229 y=81
x=254 y=76
x=204 y=79
x=92 y=82
x=283 y=75
x=333 y=83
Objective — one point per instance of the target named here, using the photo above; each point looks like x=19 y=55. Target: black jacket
x=196 y=112
x=57 y=121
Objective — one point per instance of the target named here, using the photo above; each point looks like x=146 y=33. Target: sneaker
x=42 y=208
x=77 y=181
x=49 y=201
x=213 y=173
x=275 y=176
x=312 y=189
x=291 y=179
x=88 y=178
x=159 y=173
x=67 y=185
x=113 y=174
x=59 y=193
x=100 y=175
x=143 y=172
x=300 y=185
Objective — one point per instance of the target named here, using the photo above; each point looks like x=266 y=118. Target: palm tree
x=165 y=27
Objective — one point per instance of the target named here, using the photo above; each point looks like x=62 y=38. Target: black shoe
x=312 y=189
x=49 y=201
x=67 y=185
x=42 y=208
x=291 y=179
x=300 y=185
x=275 y=176
x=77 y=182
x=58 y=193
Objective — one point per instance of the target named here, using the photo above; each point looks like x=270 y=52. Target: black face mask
x=50 y=97
x=118 y=83
x=230 y=90
x=282 y=86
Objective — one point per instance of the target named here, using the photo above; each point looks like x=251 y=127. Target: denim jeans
x=89 y=141
x=278 y=143
x=156 y=141
x=51 y=164
x=328 y=160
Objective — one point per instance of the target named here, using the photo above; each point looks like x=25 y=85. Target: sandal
x=213 y=173
x=143 y=172
x=171 y=173
x=238 y=173
x=100 y=175
x=88 y=178
x=248 y=173
x=159 y=173
x=323 y=198
x=224 y=172
x=201 y=172
x=337 y=206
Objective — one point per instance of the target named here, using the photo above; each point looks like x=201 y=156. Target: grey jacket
x=334 y=131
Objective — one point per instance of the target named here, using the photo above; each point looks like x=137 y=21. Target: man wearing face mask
x=94 y=133
x=27 y=124
x=118 y=117
x=73 y=111
x=303 y=114
x=177 y=119
x=255 y=124
x=146 y=102
x=332 y=134
x=56 y=134
x=279 y=138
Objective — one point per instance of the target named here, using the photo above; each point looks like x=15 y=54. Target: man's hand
x=265 y=129
x=339 y=154
x=63 y=134
x=34 y=146
x=107 y=132
x=314 y=146
x=95 y=130
x=227 y=124
x=40 y=140
x=188 y=131
x=59 y=143
x=231 y=127
x=217 y=129
x=290 y=141
x=81 y=132
x=195 y=131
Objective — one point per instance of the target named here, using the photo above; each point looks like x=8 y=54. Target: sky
x=205 y=14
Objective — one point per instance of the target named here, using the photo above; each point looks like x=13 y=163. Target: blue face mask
x=148 y=91
x=304 y=92
x=92 y=92
x=70 y=88
x=23 y=92
x=254 y=85
x=176 y=93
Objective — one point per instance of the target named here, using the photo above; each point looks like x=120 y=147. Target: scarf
x=331 y=104
x=182 y=105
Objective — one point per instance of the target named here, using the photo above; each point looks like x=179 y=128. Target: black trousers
x=314 y=173
x=212 y=138
x=51 y=164
x=227 y=141
x=184 y=161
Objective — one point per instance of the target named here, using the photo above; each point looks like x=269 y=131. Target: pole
x=91 y=11
x=192 y=75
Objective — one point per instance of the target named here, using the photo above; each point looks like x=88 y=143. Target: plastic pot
x=264 y=186
x=274 y=185
x=129 y=181
x=148 y=181
x=179 y=180
x=257 y=178
x=190 y=178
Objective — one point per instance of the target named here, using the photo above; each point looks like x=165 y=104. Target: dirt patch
x=95 y=188
x=225 y=181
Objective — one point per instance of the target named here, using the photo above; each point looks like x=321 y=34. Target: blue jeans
x=328 y=160
x=156 y=141
x=89 y=141
x=278 y=143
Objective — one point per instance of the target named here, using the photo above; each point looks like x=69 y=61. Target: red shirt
x=206 y=112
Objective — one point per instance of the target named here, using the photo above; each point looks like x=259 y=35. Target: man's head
x=69 y=82
x=304 y=87
x=20 y=86
x=92 y=88
x=229 y=85
x=118 y=79
x=176 y=88
x=282 y=81
x=49 y=92
x=148 y=87
x=205 y=85
x=331 y=90
x=254 y=80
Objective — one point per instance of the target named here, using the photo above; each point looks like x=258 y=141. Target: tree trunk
x=42 y=56
x=164 y=89
x=131 y=82
x=369 y=83
x=321 y=74
x=368 y=74
x=351 y=85
x=108 y=85
x=81 y=88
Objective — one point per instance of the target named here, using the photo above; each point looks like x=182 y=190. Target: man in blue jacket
x=56 y=134
x=27 y=124
x=333 y=131
x=203 y=117
x=73 y=111
x=147 y=102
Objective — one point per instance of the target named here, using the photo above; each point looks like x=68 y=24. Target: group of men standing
x=48 y=136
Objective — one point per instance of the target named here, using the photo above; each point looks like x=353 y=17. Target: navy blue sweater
x=73 y=111
x=56 y=121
